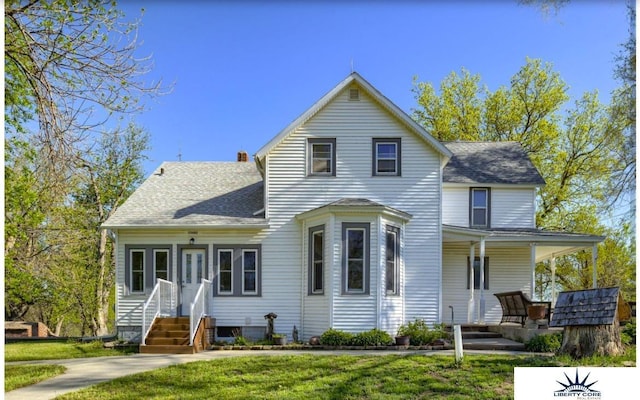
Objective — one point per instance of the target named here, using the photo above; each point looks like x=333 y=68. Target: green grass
x=51 y=350
x=17 y=376
x=332 y=377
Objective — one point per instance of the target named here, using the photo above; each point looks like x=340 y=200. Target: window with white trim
x=238 y=270
x=392 y=257
x=225 y=271
x=136 y=258
x=249 y=271
x=386 y=156
x=355 y=258
x=144 y=264
x=479 y=207
x=316 y=260
x=161 y=264
x=322 y=156
x=476 y=273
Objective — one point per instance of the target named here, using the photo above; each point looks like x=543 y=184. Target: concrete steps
x=480 y=337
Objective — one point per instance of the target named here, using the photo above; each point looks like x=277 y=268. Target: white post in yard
x=457 y=337
x=472 y=302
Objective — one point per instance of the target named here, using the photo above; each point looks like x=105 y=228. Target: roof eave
x=257 y=226
x=372 y=91
x=339 y=209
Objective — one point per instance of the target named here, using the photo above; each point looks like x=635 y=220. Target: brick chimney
x=243 y=156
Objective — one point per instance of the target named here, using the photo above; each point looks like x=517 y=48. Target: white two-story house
x=353 y=217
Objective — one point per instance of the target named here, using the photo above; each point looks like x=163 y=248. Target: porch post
x=482 y=301
x=533 y=271
x=471 y=305
x=594 y=260
x=553 y=281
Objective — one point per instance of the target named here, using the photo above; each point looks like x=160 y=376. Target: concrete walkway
x=84 y=372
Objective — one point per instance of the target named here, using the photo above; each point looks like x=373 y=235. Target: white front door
x=193 y=271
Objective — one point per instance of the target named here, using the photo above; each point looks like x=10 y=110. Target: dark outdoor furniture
x=515 y=304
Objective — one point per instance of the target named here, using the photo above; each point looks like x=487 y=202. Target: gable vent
x=354 y=94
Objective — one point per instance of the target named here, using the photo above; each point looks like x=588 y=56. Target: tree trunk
x=587 y=340
x=102 y=288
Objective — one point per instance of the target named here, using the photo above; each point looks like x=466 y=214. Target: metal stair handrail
x=199 y=308
x=161 y=302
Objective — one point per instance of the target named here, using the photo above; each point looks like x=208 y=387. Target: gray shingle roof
x=490 y=163
x=586 y=307
x=195 y=194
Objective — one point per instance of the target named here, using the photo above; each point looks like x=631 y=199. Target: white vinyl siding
x=513 y=208
x=509 y=270
x=228 y=310
x=455 y=206
x=290 y=191
x=510 y=207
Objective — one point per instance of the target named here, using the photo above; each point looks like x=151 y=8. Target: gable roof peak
x=331 y=95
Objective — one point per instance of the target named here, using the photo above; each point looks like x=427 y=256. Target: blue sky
x=244 y=70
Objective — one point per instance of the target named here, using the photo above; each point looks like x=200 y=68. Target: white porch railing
x=199 y=308
x=161 y=302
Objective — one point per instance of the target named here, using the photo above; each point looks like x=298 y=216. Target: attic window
x=354 y=94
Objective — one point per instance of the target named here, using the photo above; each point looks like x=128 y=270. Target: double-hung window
x=386 y=157
x=161 y=264
x=322 y=156
x=316 y=260
x=249 y=271
x=475 y=273
x=355 y=237
x=237 y=270
x=137 y=260
x=391 y=258
x=225 y=271
x=144 y=265
x=479 y=212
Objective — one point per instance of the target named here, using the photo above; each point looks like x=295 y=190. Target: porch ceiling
x=547 y=244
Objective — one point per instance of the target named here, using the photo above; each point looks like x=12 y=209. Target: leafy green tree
x=577 y=150
x=71 y=72
x=71 y=65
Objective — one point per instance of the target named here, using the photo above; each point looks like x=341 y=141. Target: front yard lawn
x=56 y=350
x=332 y=377
x=17 y=376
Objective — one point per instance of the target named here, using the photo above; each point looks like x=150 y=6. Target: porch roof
x=355 y=205
x=547 y=244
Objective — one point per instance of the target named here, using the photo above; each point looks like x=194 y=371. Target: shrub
x=334 y=337
x=544 y=343
x=240 y=341
x=419 y=332
x=628 y=333
x=374 y=337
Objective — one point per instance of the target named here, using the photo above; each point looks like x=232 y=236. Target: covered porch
x=503 y=260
